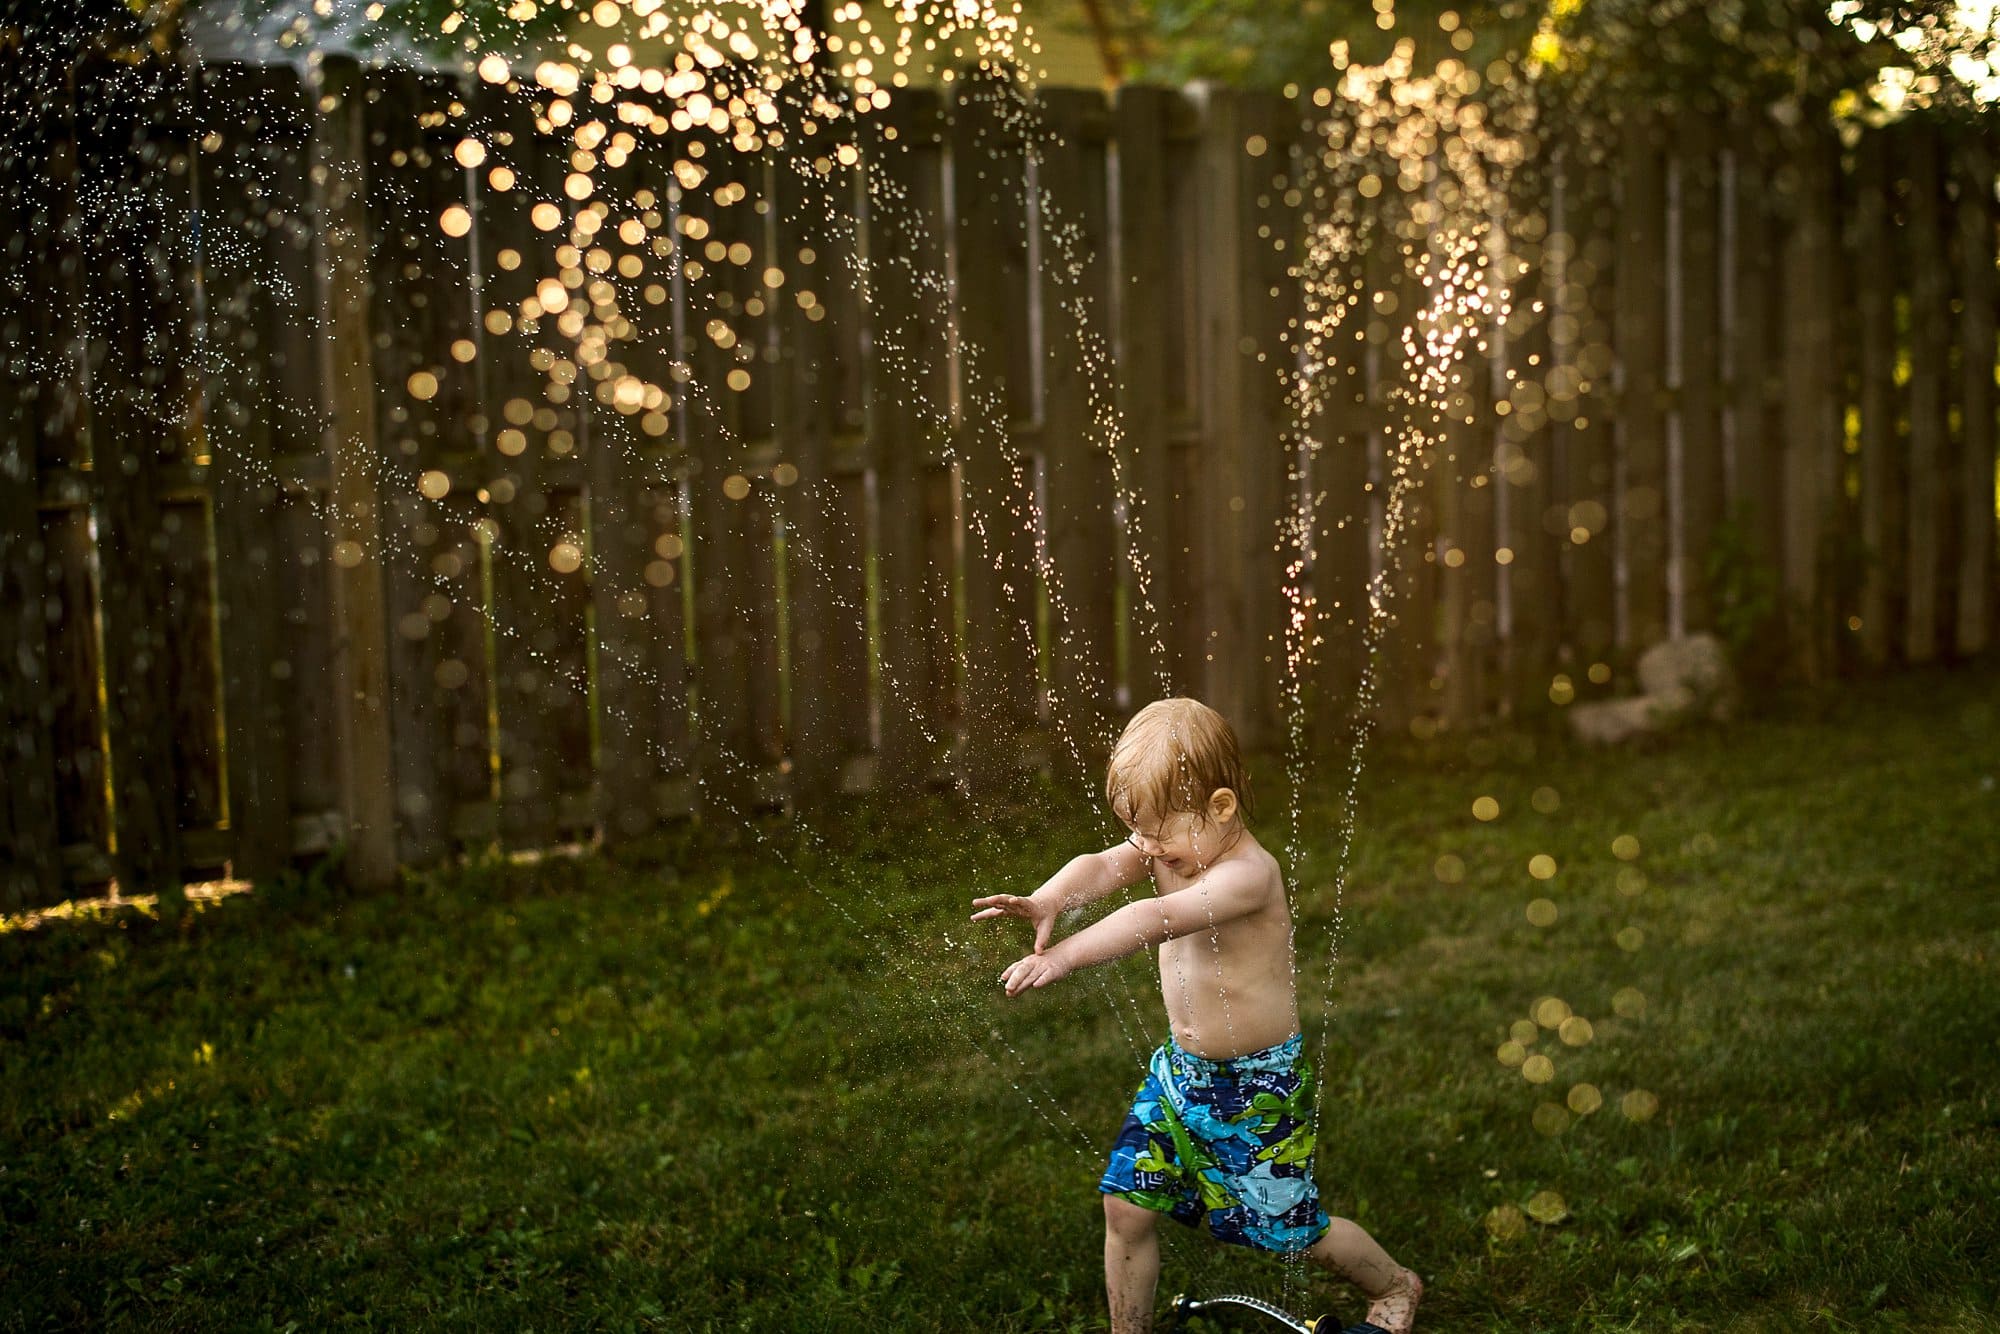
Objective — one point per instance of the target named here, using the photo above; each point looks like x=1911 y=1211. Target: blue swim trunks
x=1227 y=1142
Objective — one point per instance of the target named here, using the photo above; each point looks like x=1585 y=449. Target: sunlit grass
x=776 y=1089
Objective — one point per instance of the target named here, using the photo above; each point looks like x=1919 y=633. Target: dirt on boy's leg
x=1131 y=1265
x=1392 y=1290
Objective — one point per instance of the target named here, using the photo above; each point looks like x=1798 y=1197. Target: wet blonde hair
x=1173 y=756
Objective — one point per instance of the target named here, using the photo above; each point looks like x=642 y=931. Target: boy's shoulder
x=1250 y=868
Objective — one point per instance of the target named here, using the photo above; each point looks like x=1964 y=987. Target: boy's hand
x=1042 y=914
x=1036 y=970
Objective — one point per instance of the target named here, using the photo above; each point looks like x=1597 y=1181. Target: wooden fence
x=311 y=533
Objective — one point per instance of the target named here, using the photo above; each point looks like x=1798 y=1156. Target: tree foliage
x=1862 y=59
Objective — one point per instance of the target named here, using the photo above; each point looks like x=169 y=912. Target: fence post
x=1976 y=573
x=360 y=673
x=1930 y=507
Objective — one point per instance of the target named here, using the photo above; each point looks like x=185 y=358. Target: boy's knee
x=1122 y=1218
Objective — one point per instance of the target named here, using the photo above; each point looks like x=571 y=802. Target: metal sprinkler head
x=1184 y=1306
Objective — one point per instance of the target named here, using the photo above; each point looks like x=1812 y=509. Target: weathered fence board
x=1524 y=455
x=1588 y=294
x=1071 y=213
x=1930 y=325
x=32 y=391
x=1142 y=353
x=1876 y=403
x=134 y=312
x=1697 y=477
x=1755 y=462
x=1642 y=397
x=251 y=182
x=1812 y=449
x=1977 y=580
x=908 y=377
x=995 y=394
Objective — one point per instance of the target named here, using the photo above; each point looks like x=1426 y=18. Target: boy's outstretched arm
x=1226 y=893
x=1085 y=879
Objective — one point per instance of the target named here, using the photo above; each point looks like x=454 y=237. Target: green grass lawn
x=776 y=1088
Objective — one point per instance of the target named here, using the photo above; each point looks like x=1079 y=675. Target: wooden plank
x=1642 y=399
x=908 y=375
x=61 y=446
x=1881 y=502
x=1072 y=215
x=1536 y=527
x=1407 y=687
x=1462 y=464
x=1754 y=458
x=184 y=546
x=1184 y=636
x=430 y=488
x=1341 y=425
x=837 y=377
x=31 y=872
x=1273 y=168
x=541 y=373
x=844 y=504
x=1930 y=506
x=1589 y=295
x=256 y=125
x=195 y=673
x=735 y=662
x=995 y=391
x=1237 y=603
x=1812 y=428
x=359 y=669
x=1139 y=301
x=1977 y=581
x=798 y=248
x=1699 y=471
x=633 y=457
x=294 y=313
x=130 y=305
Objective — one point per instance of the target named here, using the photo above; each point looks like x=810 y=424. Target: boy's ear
x=1222 y=805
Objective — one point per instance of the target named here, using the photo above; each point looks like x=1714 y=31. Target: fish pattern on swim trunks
x=1228 y=1143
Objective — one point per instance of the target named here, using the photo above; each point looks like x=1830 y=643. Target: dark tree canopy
x=1862 y=59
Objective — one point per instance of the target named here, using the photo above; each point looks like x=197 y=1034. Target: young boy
x=1221 y=1129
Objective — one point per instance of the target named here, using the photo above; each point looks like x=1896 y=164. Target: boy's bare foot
x=1395 y=1311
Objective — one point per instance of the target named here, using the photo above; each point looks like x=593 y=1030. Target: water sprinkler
x=1184 y=1306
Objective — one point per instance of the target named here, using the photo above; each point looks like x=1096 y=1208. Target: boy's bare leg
x=1392 y=1290
x=1131 y=1264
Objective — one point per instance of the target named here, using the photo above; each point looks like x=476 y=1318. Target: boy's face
x=1182 y=840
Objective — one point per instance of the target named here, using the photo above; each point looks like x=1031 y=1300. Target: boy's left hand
x=1035 y=970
